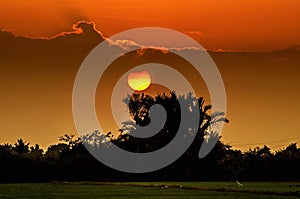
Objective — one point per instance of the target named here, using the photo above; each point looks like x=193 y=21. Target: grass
x=226 y=190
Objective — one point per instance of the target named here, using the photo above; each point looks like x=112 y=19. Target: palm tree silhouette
x=139 y=105
x=21 y=146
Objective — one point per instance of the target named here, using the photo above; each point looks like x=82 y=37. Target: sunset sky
x=228 y=24
x=262 y=79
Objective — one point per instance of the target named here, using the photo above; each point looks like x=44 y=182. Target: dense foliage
x=70 y=161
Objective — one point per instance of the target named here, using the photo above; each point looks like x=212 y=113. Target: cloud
x=130 y=44
x=6 y=35
x=124 y=44
x=90 y=34
x=89 y=28
x=85 y=28
x=194 y=33
x=220 y=50
x=293 y=49
x=86 y=33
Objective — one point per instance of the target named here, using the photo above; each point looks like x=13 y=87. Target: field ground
x=87 y=190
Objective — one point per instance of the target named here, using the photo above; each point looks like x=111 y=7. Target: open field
x=227 y=190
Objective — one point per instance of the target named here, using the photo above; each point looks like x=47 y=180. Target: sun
x=139 y=81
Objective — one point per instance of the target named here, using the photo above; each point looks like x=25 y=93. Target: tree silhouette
x=36 y=153
x=21 y=146
x=70 y=139
x=60 y=162
x=70 y=160
x=139 y=106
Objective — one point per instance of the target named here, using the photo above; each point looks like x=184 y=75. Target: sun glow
x=139 y=81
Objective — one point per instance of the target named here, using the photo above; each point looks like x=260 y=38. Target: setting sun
x=139 y=81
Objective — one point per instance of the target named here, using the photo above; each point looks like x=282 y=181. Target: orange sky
x=263 y=102
x=226 y=24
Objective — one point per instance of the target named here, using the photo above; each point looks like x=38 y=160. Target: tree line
x=69 y=160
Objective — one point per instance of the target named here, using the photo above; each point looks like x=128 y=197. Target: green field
x=89 y=190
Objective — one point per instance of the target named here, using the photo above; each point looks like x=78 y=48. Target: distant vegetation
x=70 y=161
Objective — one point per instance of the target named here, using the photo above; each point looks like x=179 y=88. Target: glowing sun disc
x=139 y=81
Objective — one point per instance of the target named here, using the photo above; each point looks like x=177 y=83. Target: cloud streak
x=88 y=30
